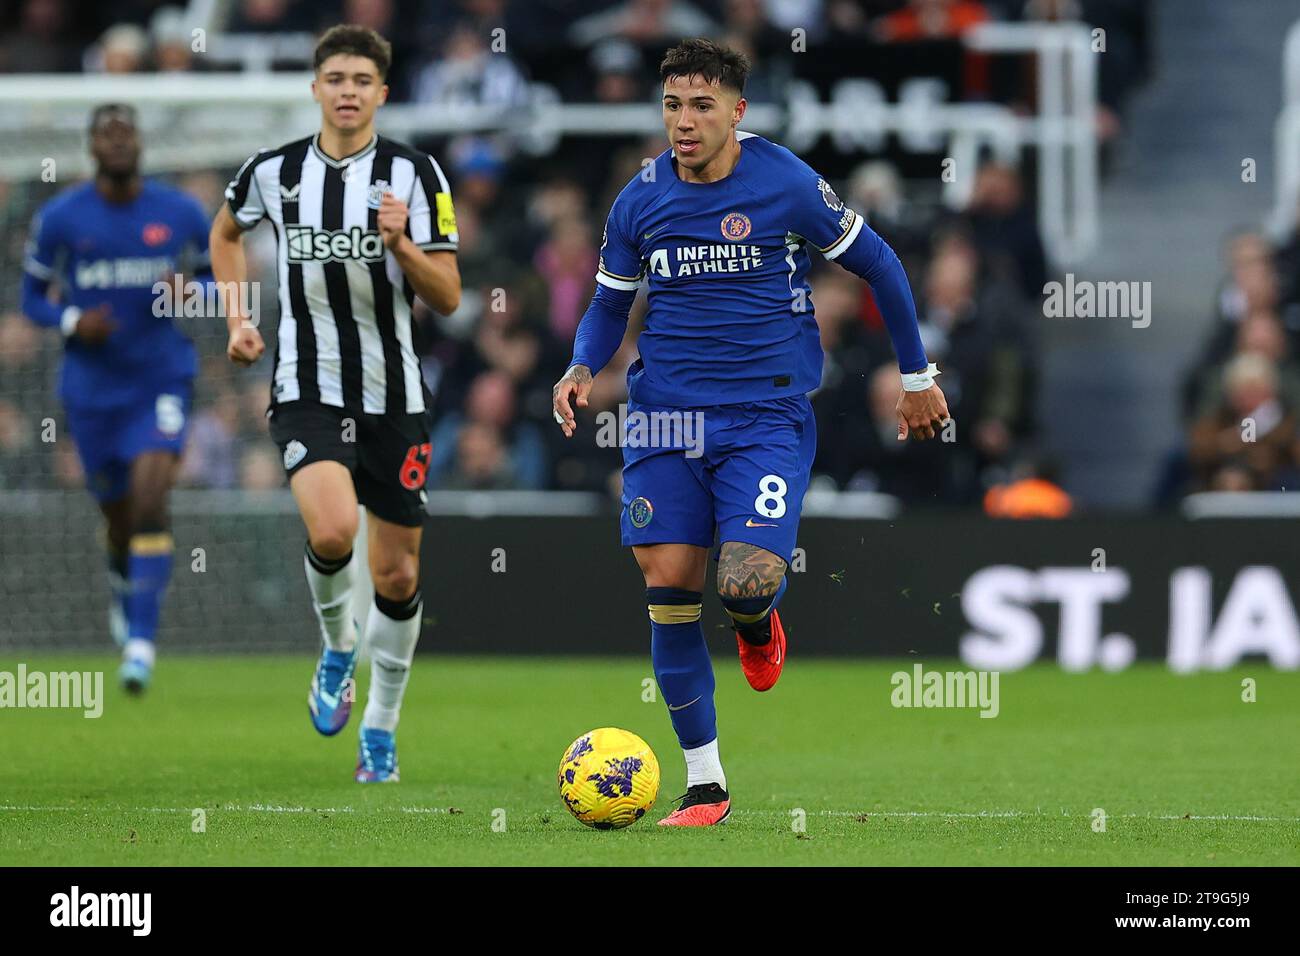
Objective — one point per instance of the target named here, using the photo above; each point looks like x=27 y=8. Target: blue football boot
x=135 y=674
x=332 y=691
x=377 y=760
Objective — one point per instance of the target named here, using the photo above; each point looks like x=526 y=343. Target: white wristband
x=920 y=381
x=68 y=323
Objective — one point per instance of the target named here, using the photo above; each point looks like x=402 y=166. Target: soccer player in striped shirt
x=363 y=225
x=719 y=228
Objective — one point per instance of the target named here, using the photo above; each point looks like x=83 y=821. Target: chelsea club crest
x=735 y=226
x=640 y=511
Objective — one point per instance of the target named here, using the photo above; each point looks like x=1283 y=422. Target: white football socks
x=392 y=648
x=331 y=596
x=139 y=649
x=703 y=765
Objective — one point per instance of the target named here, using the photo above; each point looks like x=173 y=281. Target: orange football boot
x=703 y=805
x=762 y=664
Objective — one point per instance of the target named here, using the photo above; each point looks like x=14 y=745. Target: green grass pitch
x=1185 y=771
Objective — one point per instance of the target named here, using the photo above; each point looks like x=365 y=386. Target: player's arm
x=922 y=407
x=422 y=236
x=603 y=325
x=91 y=326
x=230 y=270
x=843 y=237
x=599 y=335
x=433 y=274
x=242 y=210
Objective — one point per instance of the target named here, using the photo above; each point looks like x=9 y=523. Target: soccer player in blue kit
x=719 y=229
x=126 y=381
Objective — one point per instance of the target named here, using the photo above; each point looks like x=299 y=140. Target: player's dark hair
x=710 y=61
x=356 y=41
x=110 y=111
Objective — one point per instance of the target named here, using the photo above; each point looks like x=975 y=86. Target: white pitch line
x=251 y=808
x=782 y=814
x=987 y=814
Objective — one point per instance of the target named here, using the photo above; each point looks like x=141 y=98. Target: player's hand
x=245 y=346
x=576 y=383
x=391 y=219
x=94 y=326
x=920 y=414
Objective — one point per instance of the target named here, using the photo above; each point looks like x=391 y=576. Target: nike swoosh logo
x=751 y=523
x=684 y=706
x=651 y=235
x=777 y=662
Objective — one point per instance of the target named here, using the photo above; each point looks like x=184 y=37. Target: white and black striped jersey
x=344 y=337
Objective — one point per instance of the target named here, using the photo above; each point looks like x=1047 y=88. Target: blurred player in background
x=719 y=227
x=127 y=372
x=364 y=224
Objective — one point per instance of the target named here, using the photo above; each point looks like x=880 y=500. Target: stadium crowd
x=530 y=232
x=1240 y=400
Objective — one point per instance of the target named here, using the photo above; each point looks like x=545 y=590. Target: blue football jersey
x=726 y=263
x=107 y=253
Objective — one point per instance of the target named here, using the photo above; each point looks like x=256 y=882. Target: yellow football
x=609 y=778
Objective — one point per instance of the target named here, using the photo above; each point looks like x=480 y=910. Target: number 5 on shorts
x=415 y=467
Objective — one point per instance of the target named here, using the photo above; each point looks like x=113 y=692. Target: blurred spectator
x=20 y=467
x=567 y=263
x=1251 y=435
x=469 y=74
x=865 y=453
x=1252 y=287
x=1258 y=334
x=260 y=469
x=20 y=351
x=749 y=20
x=930 y=20
x=489 y=409
x=171 y=40
x=620 y=72
x=272 y=16
x=481 y=463
x=981 y=343
x=211 y=453
x=123 y=49
x=643 y=22
x=67 y=463
x=1127 y=60
x=1004 y=227
x=255 y=400
x=40 y=44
